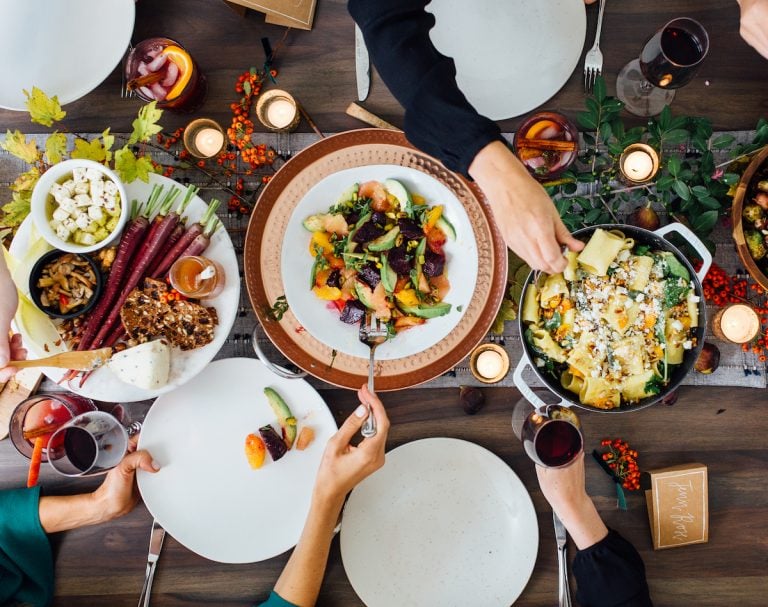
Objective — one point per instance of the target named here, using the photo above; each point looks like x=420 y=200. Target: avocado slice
x=388 y=275
x=446 y=226
x=427 y=311
x=418 y=263
x=284 y=416
x=402 y=195
x=348 y=195
x=386 y=241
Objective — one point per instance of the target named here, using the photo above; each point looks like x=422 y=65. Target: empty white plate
x=445 y=522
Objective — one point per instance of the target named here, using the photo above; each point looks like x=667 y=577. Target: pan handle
x=276 y=369
x=525 y=389
x=694 y=241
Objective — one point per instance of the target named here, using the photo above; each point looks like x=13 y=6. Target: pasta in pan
x=613 y=325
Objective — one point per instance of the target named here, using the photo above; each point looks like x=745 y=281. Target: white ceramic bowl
x=58 y=173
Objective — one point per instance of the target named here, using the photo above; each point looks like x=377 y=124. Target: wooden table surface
x=724 y=428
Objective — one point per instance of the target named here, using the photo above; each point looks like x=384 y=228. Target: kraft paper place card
x=678 y=506
x=294 y=13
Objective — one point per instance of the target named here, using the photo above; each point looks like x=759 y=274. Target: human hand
x=345 y=465
x=15 y=351
x=525 y=214
x=8 y=302
x=754 y=24
x=118 y=494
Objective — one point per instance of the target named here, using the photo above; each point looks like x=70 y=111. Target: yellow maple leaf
x=17 y=210
x=145 y=124
x=89 y=150
x=26 y=181
x=16 y=143
x=55 y=147
x=42 y=108
x=129 y=167
x=109 y=141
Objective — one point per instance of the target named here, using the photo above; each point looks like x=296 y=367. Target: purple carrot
x=177 y=233
x=201 y=241
x=129 y=242
x=179 y=249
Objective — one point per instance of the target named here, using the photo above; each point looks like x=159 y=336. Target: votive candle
x=639 y=163
x=203 y=138
x=277 y=110
x=489 y=363
x=736 y=323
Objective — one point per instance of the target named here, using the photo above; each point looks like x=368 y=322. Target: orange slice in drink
x=184 y=62
x=536 y=130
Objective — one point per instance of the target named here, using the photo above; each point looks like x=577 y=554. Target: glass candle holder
x=638 y=163
x=737 y=323
x=204 y=138
x=489 y=363
x=278 y=111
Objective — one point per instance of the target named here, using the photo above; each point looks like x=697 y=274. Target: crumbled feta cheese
x=82 y=200
x=68 y=205
x=640 y=297
x=687 y=344
x=60 y=215
x=695 y=298
x=93 y=174
x=79 y=175
x=110 y=188
x=676 y=325
x=82 y=221
x=81 y=187
x=69 y=184
x=62 y=231
x=95 y=213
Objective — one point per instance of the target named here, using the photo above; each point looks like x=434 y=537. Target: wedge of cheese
x=145 y=366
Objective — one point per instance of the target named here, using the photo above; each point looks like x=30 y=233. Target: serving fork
x=561 y=536
x=593 y=61
x=372 y=334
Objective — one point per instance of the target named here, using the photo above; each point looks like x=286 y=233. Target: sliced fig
x=398 y=261
x=434 y=263
x=334 y=279
x=275 y=445
x=369 y=274
x=410 y=229
x=353 y=312
x=368 y=231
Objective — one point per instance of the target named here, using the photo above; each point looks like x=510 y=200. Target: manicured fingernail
x=155 y=466
x=361 y=411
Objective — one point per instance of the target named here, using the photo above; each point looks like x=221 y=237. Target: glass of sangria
x=160 y=69
x=547 y=144
x=40 y=416
x=668 y=61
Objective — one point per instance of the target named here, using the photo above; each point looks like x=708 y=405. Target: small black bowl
x=35 y=291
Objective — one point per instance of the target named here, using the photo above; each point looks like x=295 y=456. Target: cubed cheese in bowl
x=79 y=206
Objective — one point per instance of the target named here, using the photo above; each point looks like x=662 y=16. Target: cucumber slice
x=402 y=195
x=446 y=226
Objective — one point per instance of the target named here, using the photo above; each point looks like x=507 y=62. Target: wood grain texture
x=723 y=428
x=318 y=66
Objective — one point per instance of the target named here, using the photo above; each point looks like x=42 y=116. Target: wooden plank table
x=723 y=428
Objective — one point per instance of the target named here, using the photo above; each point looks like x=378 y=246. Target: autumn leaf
x=55 y=147
x=130 y=168
x=145 y=124
x=89 y=150
x=26 y=181
x=16 y=143
x=17 y=210
x=109 y=141
x=42 y=108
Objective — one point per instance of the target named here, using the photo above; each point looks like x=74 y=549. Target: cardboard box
x=678 y=506
x=291 y=13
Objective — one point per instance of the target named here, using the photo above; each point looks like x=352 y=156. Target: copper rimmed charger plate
x=263 y=251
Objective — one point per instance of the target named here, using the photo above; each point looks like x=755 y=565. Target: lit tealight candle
x=638 y=166
x=209 y=142
x=489 y=364
x=737 y=323
x=281 y=112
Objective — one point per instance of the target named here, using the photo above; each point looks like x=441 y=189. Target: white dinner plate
x=205 y=494
x=511 y=55
x=63 y=47
x=321 y=318
x=103 y=384
x=444 y=523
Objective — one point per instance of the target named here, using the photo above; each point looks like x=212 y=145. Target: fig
x=369 y=274
x=399 y=261
x=472 y=399
x=275 y=445
x=353 y=312
x=708 y=360
x=670 y=399
x=646 y=218
x=434 y=263
x=409 y=229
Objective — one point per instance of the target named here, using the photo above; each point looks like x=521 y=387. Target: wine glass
x=551 y=434
x=668 y=61
x=89 y=444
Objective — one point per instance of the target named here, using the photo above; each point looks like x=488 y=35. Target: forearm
x=64 y=512
x=582 y=521
x=300 y=581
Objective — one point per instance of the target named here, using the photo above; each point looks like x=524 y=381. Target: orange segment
x=184 y=62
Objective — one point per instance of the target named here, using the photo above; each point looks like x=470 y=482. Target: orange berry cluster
x=248 y=85
x=721 y=289
x=623 y=462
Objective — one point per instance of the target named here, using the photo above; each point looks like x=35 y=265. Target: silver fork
x=124 y=92
x=561 y=536
x=593 y=61
x=371 y=334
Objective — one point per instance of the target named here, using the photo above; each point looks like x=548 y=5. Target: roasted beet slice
x=434 y=263
x=367 y=232
x=369 y=274
x=334 y=279
x=380 y=219
x=398 y=260
x=275 y=445
x=352 y=313
x=409 y=228
x=352 y=218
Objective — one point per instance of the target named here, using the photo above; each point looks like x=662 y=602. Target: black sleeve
x=611 y=574
x=438 y=118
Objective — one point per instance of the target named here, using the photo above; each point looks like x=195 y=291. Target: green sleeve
x=275 y=600
x=26 y=560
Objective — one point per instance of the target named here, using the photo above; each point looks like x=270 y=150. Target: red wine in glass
x=80 y=448
x=551 y=435
x=669 y=60
x=557 y=443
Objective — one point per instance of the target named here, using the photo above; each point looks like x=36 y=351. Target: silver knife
x=362 y=66
x=561 y=536
x=155 y=546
